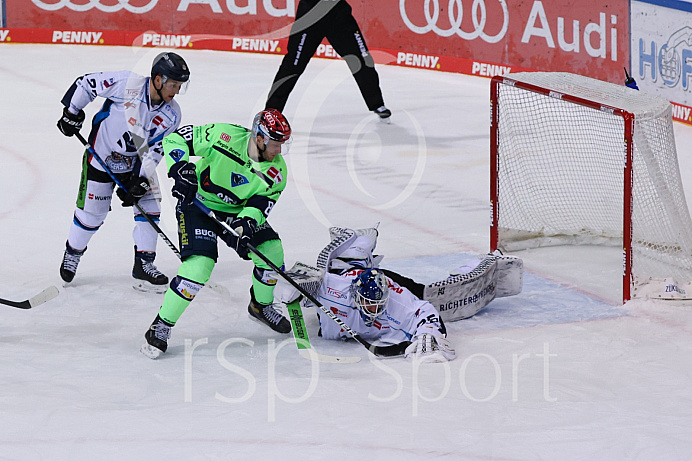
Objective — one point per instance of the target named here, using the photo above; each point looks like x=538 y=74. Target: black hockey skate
x=383 y=113
x=157 y=338
x=269 y=316
x=147 y=277
x=70 y=261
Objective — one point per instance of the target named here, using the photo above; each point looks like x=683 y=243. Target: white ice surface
x=559 y=372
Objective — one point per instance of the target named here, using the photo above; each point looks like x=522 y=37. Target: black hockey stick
x=153 y=224
x=44 y=296
x=380 y=351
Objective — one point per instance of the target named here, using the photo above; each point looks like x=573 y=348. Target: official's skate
x=384 y=114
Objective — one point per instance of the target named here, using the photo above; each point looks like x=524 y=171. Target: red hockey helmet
x=271 y=124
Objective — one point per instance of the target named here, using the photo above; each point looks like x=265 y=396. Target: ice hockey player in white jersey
x=126 y=133
x=380 y=304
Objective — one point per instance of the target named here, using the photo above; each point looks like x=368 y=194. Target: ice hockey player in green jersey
x=239 y=174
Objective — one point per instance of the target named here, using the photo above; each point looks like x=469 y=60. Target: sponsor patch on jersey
x=336 y=311
x=158 y=121
x=99 y=197
x=238 y=179
x=177 y=154
x=353 y=272
x=225 y=137
x=391 y=319
x=108 y=83
x=336 y=293
x=275 y=175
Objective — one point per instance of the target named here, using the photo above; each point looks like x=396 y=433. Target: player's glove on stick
x=70 y=124
x=136 y=188
x=431 y=348
x=185 y=177
x=245 y=227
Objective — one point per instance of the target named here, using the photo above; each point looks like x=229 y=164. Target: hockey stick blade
x=300 y=333
x=44 y=296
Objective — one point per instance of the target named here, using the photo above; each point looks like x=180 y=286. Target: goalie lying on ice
x=380 y=304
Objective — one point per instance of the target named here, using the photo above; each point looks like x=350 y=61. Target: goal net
x=578 y=161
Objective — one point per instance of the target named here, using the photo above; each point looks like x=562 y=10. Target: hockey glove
x=185 y=177
x=245 y=227
x=70 y=124
x=136 y=188
x=431 y=348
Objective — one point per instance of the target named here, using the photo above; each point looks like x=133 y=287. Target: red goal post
x=574 y=160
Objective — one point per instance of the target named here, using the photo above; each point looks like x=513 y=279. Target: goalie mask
x=370 y=290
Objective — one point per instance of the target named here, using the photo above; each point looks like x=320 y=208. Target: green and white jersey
x=228 y=179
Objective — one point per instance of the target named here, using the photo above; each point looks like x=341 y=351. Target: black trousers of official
x=334 y=20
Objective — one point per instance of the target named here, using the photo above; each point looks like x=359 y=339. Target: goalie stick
x=44 y=296
x=379 y=351
x=213 y=286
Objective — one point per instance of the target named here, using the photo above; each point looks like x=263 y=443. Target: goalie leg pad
x=464 y=295
x=307 y=277
x=341 y=241
x=349 y=248
x=510 y=276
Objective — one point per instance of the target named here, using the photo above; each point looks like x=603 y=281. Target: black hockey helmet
x=171 y=65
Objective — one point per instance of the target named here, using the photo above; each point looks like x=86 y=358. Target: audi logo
x=119 y=5
x=478 y=15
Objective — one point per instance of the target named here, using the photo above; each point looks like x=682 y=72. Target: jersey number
x=270 y=204
x=185 y=132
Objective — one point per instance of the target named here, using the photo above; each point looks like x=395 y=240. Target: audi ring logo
x=455 y=12
x=119 y=5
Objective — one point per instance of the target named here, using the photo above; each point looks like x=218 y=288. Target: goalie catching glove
x=431 y=348
x=136 y=188
x=245 y=228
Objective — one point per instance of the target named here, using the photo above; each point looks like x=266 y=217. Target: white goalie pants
x=91 y=214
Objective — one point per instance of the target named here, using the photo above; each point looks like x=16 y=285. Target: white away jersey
x=126 y=124
x=404 y=317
